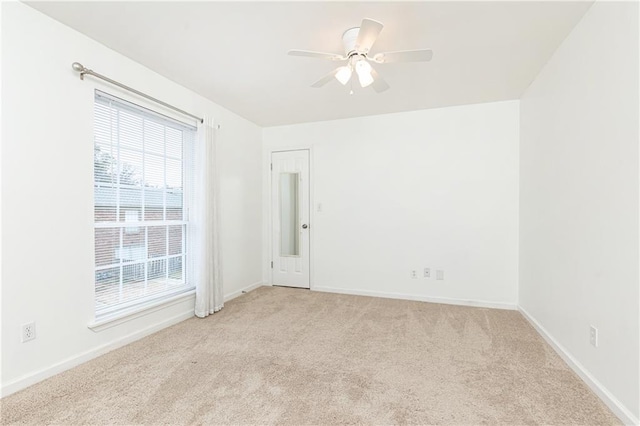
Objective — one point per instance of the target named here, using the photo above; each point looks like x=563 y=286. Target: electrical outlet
x=427 y=273
x=414 y=274
x=439 y=274
x=28 y=332
x=593 y=336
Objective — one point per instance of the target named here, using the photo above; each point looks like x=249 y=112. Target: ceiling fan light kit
x=357 y=43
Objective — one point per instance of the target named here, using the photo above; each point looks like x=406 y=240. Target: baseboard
x=420 y=298
x=602 y=392
x=246 y=289
x=33 y=378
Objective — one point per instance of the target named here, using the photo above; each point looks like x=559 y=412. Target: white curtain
x=205 y=235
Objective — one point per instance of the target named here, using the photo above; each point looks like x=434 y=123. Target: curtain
x=207 y=265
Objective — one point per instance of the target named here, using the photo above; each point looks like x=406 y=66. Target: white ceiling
x=235 y=53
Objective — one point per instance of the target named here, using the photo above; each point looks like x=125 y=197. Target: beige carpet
x=287 y=356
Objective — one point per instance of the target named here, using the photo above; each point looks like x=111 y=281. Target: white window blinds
x=142 y=175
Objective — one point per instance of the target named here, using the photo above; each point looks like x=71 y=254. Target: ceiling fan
x=357 y=45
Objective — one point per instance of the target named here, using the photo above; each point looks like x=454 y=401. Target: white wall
x=435 y=188
x=47 y=194
x=579 y=199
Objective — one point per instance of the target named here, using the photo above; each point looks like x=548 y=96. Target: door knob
x=305 y=226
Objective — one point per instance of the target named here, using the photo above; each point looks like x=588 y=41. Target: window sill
x=137 y=312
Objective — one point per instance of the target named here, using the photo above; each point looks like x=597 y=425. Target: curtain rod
x=82 y=70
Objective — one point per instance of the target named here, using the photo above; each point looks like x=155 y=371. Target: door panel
x=290 y=218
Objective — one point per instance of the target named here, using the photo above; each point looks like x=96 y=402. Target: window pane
x=153 y=204
x=133 y=248
x=174 y=143
x=131 y=216
x=153 y=137
x=157 y=241
x=104 y=130
x=175 y=239
x=107 y=287
x=174 y=205
x=133 y=282
x=157 y=270
x=130 y=167
x=130 y=127
x=174 y=173
x=105 y=165
x=130 y=200
x=105 y=203
x=175 y=268
x=107 y=242
x=154 y=171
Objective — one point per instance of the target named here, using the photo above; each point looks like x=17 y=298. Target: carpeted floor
x=288 y=356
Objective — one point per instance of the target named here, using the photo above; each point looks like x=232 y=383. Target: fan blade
x=319 y=55
x=327 y=78
x=421 y=55
x=379 y=85
x=367 y=35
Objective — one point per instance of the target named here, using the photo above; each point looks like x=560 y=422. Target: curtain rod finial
x=77 y=66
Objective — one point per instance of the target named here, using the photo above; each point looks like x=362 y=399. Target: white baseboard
x=38 y=376
x=33 y=378
x=443 y=300
x=602 y=392
x=246 y=289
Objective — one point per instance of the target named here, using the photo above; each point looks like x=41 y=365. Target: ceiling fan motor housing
x=349 y=41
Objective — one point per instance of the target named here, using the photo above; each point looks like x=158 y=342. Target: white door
x=290 y=218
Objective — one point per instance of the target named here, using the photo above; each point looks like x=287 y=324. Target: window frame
x=121 y=309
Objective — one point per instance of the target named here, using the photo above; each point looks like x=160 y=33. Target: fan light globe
x=363 y=69
x=362 y=66
x=343 y=75
x=365 y=79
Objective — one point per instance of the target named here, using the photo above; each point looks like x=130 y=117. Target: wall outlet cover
x=427 y=273
x=28 y=332
x=593 y=336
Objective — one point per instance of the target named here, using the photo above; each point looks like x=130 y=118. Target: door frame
x=270 y=213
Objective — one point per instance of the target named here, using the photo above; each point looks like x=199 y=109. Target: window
x=142 y=170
